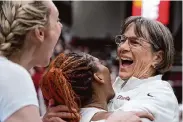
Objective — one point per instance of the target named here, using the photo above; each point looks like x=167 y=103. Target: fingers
x=60 y=111
x=145 y=115
x=56 y=119
x=62 y=115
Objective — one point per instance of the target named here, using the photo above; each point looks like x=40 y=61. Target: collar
x=132 y=83
x=2 y=58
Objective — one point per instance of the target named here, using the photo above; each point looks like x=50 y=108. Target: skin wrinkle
x=141 y=66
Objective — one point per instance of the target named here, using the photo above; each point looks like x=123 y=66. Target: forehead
x=134 y=30
x=130 y=30
x=53 y=9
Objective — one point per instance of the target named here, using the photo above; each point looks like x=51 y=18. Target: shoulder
x=14 y=79
x=160 y=87
x=88 y=113
x=7 y=66
x=16 y=88
x=11 y=73
x=160 y=93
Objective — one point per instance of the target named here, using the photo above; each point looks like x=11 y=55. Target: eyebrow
x=130 y=36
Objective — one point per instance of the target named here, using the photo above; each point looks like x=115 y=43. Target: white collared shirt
x=152 y=95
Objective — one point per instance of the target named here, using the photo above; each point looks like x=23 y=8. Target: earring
x=154 y=66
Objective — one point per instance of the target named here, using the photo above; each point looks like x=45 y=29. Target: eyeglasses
x=133 y=41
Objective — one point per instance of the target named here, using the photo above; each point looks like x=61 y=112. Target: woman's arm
x=26 y=114
x=120 y=116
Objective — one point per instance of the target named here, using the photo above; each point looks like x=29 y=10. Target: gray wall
x=97 y=18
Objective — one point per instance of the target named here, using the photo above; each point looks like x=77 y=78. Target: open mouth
x=126 y=62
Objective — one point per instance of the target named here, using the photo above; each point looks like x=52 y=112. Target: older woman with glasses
x=145 y=51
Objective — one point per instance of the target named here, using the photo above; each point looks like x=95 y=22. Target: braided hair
x=69 y=80
x=16 y=19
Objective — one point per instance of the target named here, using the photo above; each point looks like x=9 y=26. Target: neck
x=98 y=101
x=24 y=58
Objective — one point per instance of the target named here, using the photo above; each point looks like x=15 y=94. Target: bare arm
x=120 y=116
x=130 y=116
x=26 y=114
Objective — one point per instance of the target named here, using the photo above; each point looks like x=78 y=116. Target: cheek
x=141 y=54
x=118 y=50
x=58 y=27
x=143 y=60
x=55 y=33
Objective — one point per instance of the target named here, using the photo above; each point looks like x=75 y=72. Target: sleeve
x=160 y=102
x=16 y=91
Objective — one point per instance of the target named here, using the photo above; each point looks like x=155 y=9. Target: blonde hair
x=16 y=19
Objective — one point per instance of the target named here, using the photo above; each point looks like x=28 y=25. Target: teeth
x=126 y=59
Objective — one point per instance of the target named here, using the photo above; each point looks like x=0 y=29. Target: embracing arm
x=119 y=116
x=31 y=114
x=26 y=114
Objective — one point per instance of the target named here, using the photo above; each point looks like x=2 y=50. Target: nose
x=124 y=47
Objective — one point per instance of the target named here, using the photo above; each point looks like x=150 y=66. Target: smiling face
x=136 y=57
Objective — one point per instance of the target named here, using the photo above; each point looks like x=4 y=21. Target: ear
x=157 y=59
x=98 y=78
x=40 y=34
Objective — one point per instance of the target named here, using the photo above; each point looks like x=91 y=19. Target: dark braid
x=69 y=80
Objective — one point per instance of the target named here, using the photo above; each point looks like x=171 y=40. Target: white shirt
x=88 y=113
x=152 y=95
x=16 y=89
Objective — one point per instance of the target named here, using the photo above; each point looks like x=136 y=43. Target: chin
x=46 y=63
x=124 y=75
x=43 y=63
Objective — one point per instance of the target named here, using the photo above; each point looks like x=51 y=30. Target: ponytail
x=55 y=85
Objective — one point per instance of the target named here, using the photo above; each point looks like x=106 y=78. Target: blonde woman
x=28 y=33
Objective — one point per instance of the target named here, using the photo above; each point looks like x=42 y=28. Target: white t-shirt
x=88 y=113
x=151 y=95
x=16 y=89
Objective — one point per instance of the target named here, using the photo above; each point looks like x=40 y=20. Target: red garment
x=37 y=77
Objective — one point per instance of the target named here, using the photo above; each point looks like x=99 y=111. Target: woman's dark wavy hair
x=157 y=34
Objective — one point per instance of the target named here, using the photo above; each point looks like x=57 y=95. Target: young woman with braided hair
x=70 y=79
x=29 y=30
x=80 y=81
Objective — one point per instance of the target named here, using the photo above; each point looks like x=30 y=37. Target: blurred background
x=90 y=26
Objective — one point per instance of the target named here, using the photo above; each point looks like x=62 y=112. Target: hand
x=128 y=116
x=143 y=114
x=57 y=113
x=55 y=119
